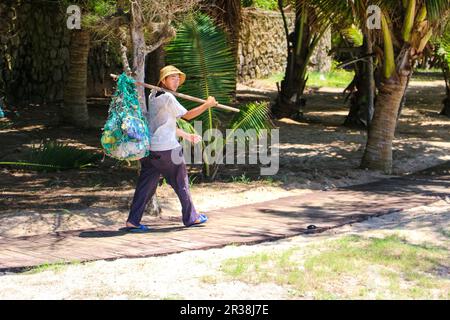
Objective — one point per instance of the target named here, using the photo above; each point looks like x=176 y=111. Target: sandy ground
x=166 y=277
x=315 y=155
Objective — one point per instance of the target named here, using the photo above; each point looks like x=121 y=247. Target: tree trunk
x=403 y=102
x=139 y=49
x=139 y=52
x=363 y=100
x=378 y=153
x=155 y=61
x=290 y=101
x=74 y=108
x=446 y=110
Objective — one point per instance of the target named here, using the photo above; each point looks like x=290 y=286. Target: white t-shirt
x=162 y=114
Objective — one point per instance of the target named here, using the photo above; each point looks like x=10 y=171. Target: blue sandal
x=141 y=229
x=201 y=219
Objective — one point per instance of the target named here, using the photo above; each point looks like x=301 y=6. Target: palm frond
x=253 y=116
x=437 y=9
x=201 y=51
x=54 y=155
x=187 y=126
x=353 y=35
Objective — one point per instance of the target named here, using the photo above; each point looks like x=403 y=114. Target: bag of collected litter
x=125 y=134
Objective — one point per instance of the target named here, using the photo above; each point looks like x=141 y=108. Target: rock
x=57 y=75
x=53 y=53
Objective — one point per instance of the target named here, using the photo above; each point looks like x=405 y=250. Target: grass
x=209 y=279
x=54 y=156
x=445 y=233
x=55 y=267
x=428 y=75
x=173 y=297
x=351 y=267
x=271 y=181
x=5 y=124
x=192 y=180
x=241 y=179
x=337 y=78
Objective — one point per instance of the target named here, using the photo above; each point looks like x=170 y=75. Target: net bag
x=125 y=134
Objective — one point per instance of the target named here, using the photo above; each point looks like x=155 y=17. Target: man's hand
x=193 y=113
x=211 y=102
x=194 y=138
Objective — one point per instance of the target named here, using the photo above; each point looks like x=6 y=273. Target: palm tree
x=362 y=88
x=301 y=44
x=74 y=108
x=406 y=29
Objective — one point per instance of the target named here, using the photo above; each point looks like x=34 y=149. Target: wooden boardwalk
x=246 y=224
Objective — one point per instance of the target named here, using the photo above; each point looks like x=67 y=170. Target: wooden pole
x=180 y=95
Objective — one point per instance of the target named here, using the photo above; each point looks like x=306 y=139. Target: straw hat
x=169 y=70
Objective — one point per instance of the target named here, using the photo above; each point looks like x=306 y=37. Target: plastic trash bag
x=125 y=134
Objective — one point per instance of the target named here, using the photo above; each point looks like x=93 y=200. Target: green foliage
x=241 y=179
x=336 y=78
x=353 y=35
x=200 y=50
x=252 y=116
x=54 y=156
x=444 y=46
x=102 y=7
x=262 y=4
x=92 y=11
x=55 y=267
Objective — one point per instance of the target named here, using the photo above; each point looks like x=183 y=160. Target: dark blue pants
x=152 y=167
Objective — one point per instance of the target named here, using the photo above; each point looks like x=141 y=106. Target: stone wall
x=262 y=47
x=38 y=51
x=35 y=56
x=5 y=24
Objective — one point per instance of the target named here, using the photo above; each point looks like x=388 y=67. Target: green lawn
x=336 y=78
x=352 y=267
x=339 y=78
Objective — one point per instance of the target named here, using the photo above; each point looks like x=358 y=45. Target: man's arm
x=193 y=138
x=193 y=113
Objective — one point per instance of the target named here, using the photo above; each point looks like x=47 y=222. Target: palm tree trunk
x=290 y=102
x=74 y=108
x=363 y=100
x=378 y=153
x=403 y=103
x=446 y=110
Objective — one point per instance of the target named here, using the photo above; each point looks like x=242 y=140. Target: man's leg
x=146 y=187
x=176 y=176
